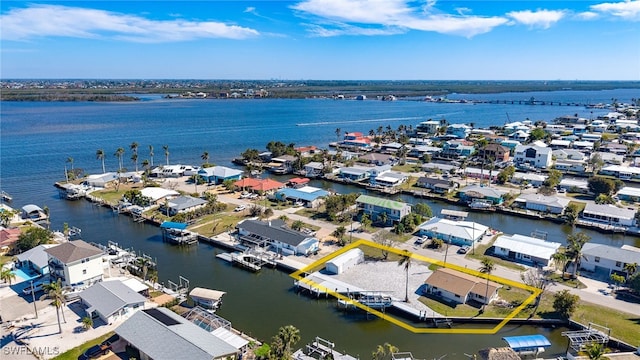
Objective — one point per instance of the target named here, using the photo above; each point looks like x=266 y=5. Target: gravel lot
x=389 y=277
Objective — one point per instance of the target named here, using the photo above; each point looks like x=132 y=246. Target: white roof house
x=157 y=193
x=609 y=214
x=525 y=248
x=531 y=178
x=606 y=258
x=539 y=202
x=455 y=232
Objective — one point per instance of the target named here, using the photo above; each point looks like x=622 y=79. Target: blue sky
x=322 y=39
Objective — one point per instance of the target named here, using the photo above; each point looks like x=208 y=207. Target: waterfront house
x=453 y=232
x=354 y=173
x=543 y=203
x=219 y=174
x=313 y=169
x=536 y=156
x=609 y=214
x=428 y=127
x=100 y=180
x=33 y=212
x=35 y=259
x=473 y=192
x=8 y=238
x=306 y=151
x=494 y=151
x=159 y=333
x=157 y=194
x=309 y=196
x=275 y=234
x=438 y=186
x=377 y=159
x=629 y=194
x=297 y=183
x=387 y=179
x=111 y=300
x=525 y=249
x=461 y=288
x=621 y=172
x=356 y=140
x=512 y=127
x=260 y=186
x=459 y=130
x=606 y=259
x=282 y=164
x=75 y=262
x=535 y=180
x=520 y=136
x=182 y=204
x=375 y=206
x=345 y=261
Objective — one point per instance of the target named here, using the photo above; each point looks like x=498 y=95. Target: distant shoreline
x=115 y=90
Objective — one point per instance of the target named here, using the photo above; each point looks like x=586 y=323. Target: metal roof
x=173 y=225
x=182 y=340
x=108 y=297
x=527 y=245
x=380 y=202
x=526 y=342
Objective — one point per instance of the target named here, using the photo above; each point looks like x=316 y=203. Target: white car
x=239 y=208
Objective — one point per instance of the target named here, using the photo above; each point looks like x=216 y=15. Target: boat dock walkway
x=322 y=284
x=253 y=261
x=320 y=349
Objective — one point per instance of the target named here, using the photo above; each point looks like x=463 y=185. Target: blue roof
x=526 y=342
x=302 y=195
x=173 y=225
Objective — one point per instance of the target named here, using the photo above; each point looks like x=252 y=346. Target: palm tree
x=70 y=160
x=405 y=259
x=560 y=260
x=100 y=156
x=382 y=218
x=205 y=157
x=134 y=158
x=144 y=265
x=87 y=323
x=166 y=152
x=134 y=147
x=6 y=275
x=284 y=341
x=595 y=351
x=339 y=233
x=487 y=268
x=55 y=292
x=151 y=154
x=574 y=249
x=630 y=269
x=383 y=350
x=119 y=152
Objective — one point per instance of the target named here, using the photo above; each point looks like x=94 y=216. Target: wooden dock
x=248 y=260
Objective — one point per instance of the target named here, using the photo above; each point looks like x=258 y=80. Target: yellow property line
x=317 y=265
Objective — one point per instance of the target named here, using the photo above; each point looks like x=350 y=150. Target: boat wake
x=320 y=123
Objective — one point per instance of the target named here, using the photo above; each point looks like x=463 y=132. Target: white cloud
x=628 y=10
x=250 y=9
x=344 y=29
x=393 y=16
x=539 y=18
x=52 y=20
x=587 y=15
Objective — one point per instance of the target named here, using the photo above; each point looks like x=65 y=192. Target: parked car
x=96 y=351
x=463 y=249
x=239 y=208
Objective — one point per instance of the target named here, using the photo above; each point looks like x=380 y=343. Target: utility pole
x=33 y=296
x=446 y=250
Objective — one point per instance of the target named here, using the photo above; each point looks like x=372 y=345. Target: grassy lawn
x=574 y=283
x=318 y=213
x=74 y=353
x=409 y=168
x=214 y=224
x=111 y=196
x=410 y=183
x=578 y=204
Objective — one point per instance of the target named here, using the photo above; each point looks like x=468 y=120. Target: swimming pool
x=24 y=275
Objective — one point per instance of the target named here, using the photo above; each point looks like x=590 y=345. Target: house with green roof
x=375 y=207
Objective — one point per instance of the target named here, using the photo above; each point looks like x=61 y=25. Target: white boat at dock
x=480 y=204
x=207 y=298
x=5 y=196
